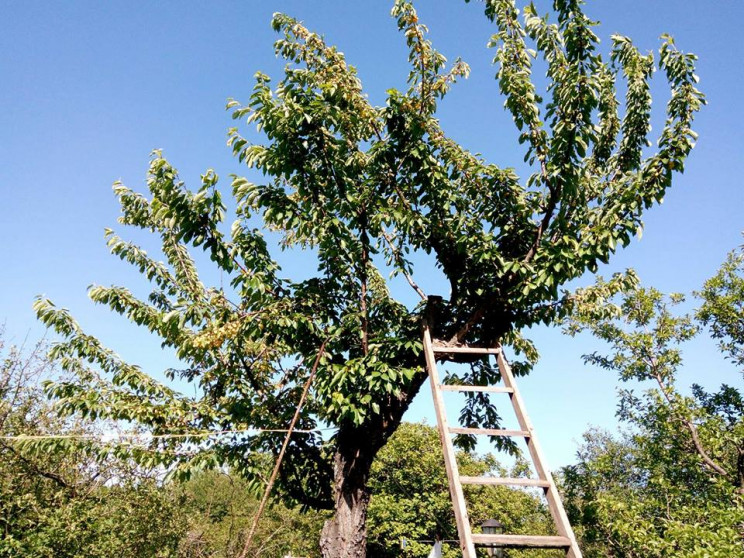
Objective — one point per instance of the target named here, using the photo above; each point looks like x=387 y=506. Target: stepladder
x=565 y=538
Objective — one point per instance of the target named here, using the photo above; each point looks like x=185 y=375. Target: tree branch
x=399 y=261
x=364 y=238
x=707 y=460
x=35 y=469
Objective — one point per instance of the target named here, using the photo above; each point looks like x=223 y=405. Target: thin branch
x=463 y=331
x=363 y=278
x=35 y=469
x=547 y=217
x=707 y=460
x=279 y=459
x=422 y=63
x=401 y=267
x=248 y=372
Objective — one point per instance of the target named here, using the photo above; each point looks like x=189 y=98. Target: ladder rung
x=505 y=481
x=489 y=431
x=490 y=389
x=470 y=350
x=519 y=541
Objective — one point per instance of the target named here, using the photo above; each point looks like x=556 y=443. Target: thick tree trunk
x=345 y=536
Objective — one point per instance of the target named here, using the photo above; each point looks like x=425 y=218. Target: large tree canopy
x=361 y=188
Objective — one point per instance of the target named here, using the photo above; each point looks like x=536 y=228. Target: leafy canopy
x=363 y=187
x=673 y=485
x=68 y=503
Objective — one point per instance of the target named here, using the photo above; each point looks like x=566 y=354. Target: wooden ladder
x=565 y=539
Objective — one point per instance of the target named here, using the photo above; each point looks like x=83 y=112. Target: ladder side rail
x=450 y=463
x=551 y=492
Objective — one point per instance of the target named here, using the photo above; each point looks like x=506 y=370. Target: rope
x=279 y=459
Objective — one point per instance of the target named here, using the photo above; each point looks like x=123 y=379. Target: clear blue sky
x=88 y=89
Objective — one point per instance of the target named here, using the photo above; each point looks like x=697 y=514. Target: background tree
x=628 y=497
x=360 y=188
x=220 y=507
x=723 y=307
x=674 y=486
x=409 y=500
x=68 y=503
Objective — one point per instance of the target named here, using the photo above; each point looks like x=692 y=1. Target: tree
x=361 y=187
x=646 y=493
x=67 y=503
x=723 y=307
x=220 y=508
x=628 y=497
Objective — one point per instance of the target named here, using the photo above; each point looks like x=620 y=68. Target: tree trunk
x=345 y=535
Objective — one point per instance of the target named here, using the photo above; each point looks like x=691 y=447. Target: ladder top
x=467 y=350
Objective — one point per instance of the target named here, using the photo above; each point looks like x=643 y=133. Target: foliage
x=410 y=500
x=126 y=520
x=675 y=485
x=119 y=511
x=361 y=187
x=723 y=307
x=66 y=503
x=629 y=497
x=221 y=506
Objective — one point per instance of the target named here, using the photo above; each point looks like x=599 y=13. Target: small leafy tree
x=628 y=496
x=360 y=188
x=68 y=503
x=645 y=494
x=723 y=307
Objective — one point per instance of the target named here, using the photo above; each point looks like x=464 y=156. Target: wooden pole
x=453 y=475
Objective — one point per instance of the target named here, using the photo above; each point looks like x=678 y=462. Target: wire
x=279 y=459
x=427 y=541
x=147 y=436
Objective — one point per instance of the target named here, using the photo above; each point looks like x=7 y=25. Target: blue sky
x=88 y=89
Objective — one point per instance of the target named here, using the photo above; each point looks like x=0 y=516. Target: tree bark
x=345 y=535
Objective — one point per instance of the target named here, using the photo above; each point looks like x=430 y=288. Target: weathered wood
x=450 y=463
x=566 y=538
x=489 y=389
x=344 y=535
x=489 y=431
x=504 y=481
x=522 y=541
x=468 y=350
x=554 y=500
